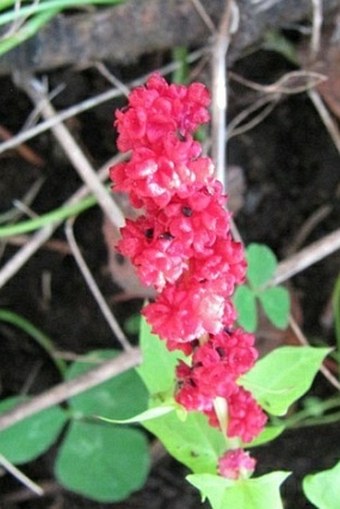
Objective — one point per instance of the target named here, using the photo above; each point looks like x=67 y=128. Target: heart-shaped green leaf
x=192 y=442
x=120 y=397
x=276 y=305
x=158 y=368
x=102 y=462
x=245 y=302
x=30 y=437
x=283 y=376
x=262 y=264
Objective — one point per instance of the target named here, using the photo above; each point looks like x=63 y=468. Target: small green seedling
x=274 y=300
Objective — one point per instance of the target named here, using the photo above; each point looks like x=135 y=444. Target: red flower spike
x=182 y=246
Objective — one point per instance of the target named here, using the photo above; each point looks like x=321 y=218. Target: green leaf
x=158 y=368
x=120 y=397
x=245 y=302
x=260 y=493
x=152 y=413
x=322 y=489
x=193 y=442
x=276 y=304
x=30 y=437
x=262 y=264
x=102 y=462
x=283 y=376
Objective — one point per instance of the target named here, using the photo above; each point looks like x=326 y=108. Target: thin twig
x=204 y=15
x=89 y=104
x=308 y=226
x=18 y=20
x=269 y=103
x=20 y=476
x=56 y=245
x=91 y=283
x=50 y=487
x=35 y=114
x=39 y=238
x=104 y=71
x=14 y=214
x=36 y=91
x=23 y=150
x=66 y=390
x=316 y=29
x=303 y=340
x=306 y=257
x=326 y=118
x=290 y=83
x=228 y=25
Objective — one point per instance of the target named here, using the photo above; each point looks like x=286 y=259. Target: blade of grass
x=6 y=3
x=58 y=214
x=52 y=5
x=30 y=28
x=44 y=341
x=14 y=214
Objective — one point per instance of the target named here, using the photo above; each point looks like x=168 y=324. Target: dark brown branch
x=125 y=32
x=66 y=390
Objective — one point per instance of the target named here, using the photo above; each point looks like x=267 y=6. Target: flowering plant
x=202 y=367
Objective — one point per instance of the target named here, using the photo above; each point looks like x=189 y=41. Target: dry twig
x=20 y=476
x=91 y=283
x=307 y=257
x=303 y=340
x=65 y=390
x=326 y=118
x=36 y=91
x=316 y=28
x=88 y=104
x=228 y=26
x=38 y=239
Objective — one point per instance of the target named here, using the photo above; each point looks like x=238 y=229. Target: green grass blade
x=51 y=5
x=50 y=217
x=44 y=341
x=5 y=4
x=30 y=28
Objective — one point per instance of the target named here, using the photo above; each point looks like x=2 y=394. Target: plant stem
x=50 y=217
x=302 y=417
x=44 y=341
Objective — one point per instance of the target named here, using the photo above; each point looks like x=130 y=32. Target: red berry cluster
x=182 y=246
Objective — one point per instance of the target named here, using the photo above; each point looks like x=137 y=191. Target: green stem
x=55 y=215
x=31 y=27
x=44 y=341
x=303 y=416
x=326 y=419
x=47 y=6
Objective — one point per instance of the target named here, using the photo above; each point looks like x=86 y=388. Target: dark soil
x=290 y=167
